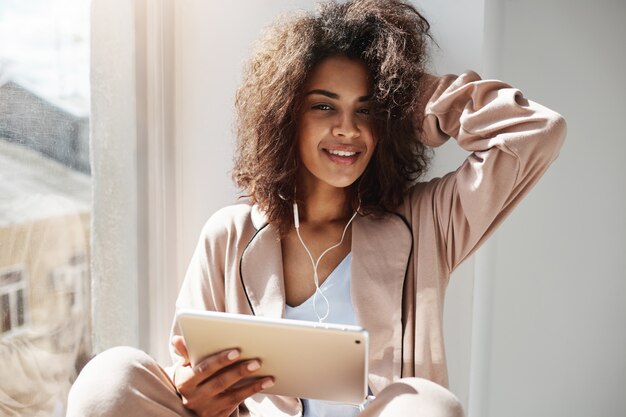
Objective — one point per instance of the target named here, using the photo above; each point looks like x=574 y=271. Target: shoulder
x=421 y=193
x=228 y=222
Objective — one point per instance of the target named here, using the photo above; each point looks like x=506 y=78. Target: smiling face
x=334 y=132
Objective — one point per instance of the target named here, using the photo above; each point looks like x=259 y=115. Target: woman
x=335 y=117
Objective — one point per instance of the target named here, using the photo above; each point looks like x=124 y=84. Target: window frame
x=134 y=243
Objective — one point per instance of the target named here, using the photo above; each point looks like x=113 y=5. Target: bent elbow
x=556 y=132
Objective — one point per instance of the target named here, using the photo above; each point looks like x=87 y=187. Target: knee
x=415 y=394
x=116 y=365
x=106 y=379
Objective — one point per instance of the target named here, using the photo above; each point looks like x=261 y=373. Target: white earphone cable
x=316 y=264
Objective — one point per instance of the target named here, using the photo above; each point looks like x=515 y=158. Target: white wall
x=559 y=303
x=212 y=41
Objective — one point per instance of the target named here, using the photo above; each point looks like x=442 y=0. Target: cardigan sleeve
x=512 y=141
x=203 y=286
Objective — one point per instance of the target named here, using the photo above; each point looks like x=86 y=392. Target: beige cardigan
x=401 y=263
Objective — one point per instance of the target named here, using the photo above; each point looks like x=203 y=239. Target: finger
x=181 y=348
x=207 y=395
x=234 y=397
x=205 y=369
x=207 y=392
x=230 y=376
x=230 y=400
x=183 y=374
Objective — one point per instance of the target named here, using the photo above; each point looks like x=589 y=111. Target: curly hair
x=392 y=38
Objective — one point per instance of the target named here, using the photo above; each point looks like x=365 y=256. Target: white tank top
x=336 y=288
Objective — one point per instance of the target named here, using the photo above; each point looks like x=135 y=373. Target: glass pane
x=20 y=308
x=10 y=278
x=45 y=208
x=6 y=313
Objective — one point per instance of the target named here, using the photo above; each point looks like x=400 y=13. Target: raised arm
x=512 y=142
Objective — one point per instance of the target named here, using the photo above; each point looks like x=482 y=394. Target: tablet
x=307 y=360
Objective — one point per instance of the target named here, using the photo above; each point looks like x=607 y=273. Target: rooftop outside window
x=45 y=203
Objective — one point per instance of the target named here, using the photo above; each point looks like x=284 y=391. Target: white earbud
x=296 y=217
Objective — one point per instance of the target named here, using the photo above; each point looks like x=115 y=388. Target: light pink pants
x=127 y=382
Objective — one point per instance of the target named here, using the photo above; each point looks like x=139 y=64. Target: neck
x=325 y=204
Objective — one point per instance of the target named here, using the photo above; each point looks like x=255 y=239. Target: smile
x=341 y=153
x=342 y=157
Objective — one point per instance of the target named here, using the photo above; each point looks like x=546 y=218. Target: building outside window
x=14 y=309
x=45 y=203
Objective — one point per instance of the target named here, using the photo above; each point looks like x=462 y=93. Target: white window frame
x=160 y=268
x=134 y=241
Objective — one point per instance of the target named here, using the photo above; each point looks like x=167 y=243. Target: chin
x=343 y=183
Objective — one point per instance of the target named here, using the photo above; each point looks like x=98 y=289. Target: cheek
x=372 y=145
x=369 y=134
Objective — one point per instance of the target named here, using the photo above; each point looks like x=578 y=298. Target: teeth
x=341 y=153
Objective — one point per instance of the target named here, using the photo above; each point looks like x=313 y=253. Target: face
x=334 y=132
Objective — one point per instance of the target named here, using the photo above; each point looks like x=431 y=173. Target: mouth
x=342 y=156
x=340 y=153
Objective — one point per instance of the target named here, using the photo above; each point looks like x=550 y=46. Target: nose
x=346 y=126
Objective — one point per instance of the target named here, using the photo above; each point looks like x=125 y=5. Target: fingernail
x=267 y=384
x=253 y=366
x=232 y=355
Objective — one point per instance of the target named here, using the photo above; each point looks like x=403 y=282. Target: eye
x=364 y=110
x=323 y=107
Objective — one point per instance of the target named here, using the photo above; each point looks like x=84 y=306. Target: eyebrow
x=335 y=96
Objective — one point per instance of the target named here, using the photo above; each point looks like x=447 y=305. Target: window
x=13 y=306
x=45 y=203
x=67 y=281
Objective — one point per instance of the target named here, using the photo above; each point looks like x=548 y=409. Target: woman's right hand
x=207 y=388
